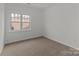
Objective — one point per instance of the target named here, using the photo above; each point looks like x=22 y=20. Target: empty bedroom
x=39 y=29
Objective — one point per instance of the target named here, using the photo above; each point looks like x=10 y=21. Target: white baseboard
x=20 y=39
x=52 y=38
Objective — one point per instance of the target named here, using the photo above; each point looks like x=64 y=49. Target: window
x=19 y=22
x=25 y=22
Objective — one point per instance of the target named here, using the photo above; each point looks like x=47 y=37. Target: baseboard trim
x=23 y=40
x=61 y=43
x=40 y=37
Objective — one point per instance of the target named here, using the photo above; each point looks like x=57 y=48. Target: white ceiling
x=36 y=5
x=40 y=5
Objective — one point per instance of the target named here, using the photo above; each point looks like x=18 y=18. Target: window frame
x=21 y=24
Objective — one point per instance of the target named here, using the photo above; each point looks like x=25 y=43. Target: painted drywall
x=62 y=24
x=36 y=22
x=1 y=27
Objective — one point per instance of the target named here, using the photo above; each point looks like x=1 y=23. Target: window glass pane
x=12 y=14
x=25 y=18
x=25 y=22
x=15 y=26
x=12 y=17
x=17 y=17
x=15 y=23
x=25 y=26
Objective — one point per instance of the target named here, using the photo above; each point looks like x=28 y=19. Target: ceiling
x=40 y=5
x=36 y=5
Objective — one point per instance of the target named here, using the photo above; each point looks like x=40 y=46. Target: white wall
x=1 y=27
x=36 y=25
x=62 y=24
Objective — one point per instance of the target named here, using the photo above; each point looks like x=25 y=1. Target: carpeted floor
x=38 y=47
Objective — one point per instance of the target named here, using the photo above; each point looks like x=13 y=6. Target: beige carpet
x=38 y=47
